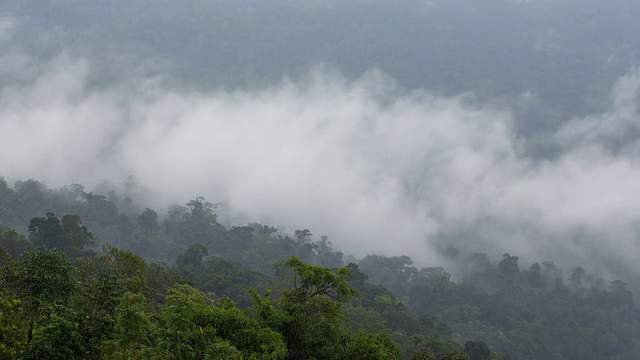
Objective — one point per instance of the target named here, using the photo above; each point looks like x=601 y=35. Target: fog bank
x=376 y=167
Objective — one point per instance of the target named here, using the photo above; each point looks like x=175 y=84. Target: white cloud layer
x=376 y=168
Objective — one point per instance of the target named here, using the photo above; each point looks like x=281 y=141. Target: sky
x=377 y=167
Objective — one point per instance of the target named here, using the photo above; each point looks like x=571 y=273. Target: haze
x=392 y=127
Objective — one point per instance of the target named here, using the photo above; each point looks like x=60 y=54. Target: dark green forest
x=89 y=275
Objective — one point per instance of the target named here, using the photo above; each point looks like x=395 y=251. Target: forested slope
x=100 y=276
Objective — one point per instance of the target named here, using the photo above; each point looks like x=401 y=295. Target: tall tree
x=68 y=235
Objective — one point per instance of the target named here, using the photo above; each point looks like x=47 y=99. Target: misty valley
x=320 y=179
x=86 y=275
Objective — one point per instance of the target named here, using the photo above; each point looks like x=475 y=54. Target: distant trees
x=509 y=265
x=529 y=313
x=147 y=222
x=477 y=350
x=67 y=235
x=12 y=243
x=192 y=256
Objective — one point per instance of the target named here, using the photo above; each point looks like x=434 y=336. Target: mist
x=375 y=166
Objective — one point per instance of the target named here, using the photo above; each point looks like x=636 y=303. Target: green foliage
x=147 y=221
x=192 y=256
x=195 y=224
x=46 y=232
x=60 y=337
x=509 y=265
x=67 y=235
x=194 y=326
x=388 y=269
x=39 y=279
x=431 y=347
x=109 y=316
x=128 y=268
x=372 y=347
x=114 y=305
x=222 y=276
x=365 y=319
x=76 y=235
x=312 y=281
x=239 y=237
x=477 y=350
x=160 y=277
x=131 y=329
x=13 y=329
x=313 y=323
x=13 y=243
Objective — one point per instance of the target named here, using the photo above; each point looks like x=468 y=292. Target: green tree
x=76 y=236
x=68 y=235
x=363 y=346
x=147 y=221
x=59 y=338
x=314 y=325
x=309 y=316
x=128 y=268
x=477 y=350
x=195 y=326
x=132 y=329
x=13 y=243
x=39 y=278
x=432 y=347
x=192 y=256
x=13 y=328
x=37 y=285
x=509 y=265
x=240 y=237
x=46 y=232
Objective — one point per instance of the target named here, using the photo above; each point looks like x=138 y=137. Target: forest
x=320 y=179
x=90 y=275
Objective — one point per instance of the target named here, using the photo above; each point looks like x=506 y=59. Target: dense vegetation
x=93 y=276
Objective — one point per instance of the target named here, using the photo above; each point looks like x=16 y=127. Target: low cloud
x=375 y=167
